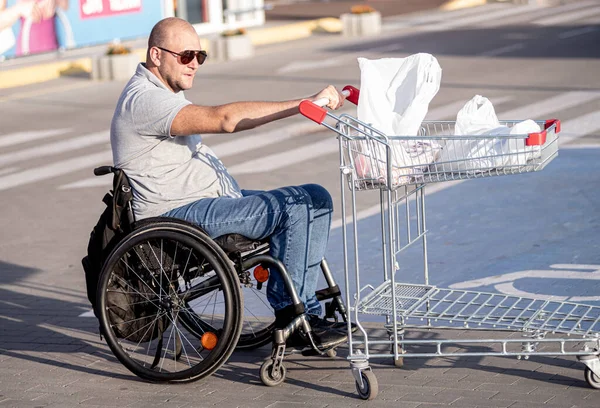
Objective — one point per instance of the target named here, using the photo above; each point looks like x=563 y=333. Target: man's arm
x=237 y=116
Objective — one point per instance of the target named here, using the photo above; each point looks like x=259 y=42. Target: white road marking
x=55 y=169
x=450 y=110
x=480 y=18
x=8 y=170
x=575 y=128
x=387 y=48
x=503 y=50
x=309 y=65
x=255 y=141
x=568 y=17
x=284 y=159
x=538 y=110
x=229 y=148
x=59 y=147
x=25 y=137
x=575 y=33
x=505 y=283
x=539 y=14
x=436 y=17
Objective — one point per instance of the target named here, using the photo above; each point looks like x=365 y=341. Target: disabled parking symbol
x=507 y=283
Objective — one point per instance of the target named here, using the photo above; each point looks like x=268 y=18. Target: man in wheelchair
x=155 y=138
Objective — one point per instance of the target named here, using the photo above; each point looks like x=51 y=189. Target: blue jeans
x=295 y=219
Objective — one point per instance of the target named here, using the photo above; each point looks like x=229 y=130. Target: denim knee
x=321 y=198
x=298 y=208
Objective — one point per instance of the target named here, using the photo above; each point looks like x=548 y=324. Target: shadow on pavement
x=41 y=324
x=528 y=42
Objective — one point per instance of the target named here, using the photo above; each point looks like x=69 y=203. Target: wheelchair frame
x=232 y=258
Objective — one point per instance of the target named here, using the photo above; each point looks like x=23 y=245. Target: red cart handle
x=315 y=111
x=538 y=139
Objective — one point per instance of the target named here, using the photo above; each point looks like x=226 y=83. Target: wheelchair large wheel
x=169 y=301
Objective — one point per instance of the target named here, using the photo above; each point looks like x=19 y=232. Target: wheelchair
x=171 y=300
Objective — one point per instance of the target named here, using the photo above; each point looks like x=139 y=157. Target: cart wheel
x=592 y=379
x=331 y=353
x=400 y=361
x=270 y=378
x=370 y=388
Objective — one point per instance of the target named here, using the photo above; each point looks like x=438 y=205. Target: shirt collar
x=144 y=72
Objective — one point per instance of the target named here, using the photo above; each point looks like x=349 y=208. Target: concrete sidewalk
x=285 y=22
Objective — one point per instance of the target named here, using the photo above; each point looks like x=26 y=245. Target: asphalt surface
x=312 y=9
x=520 y=229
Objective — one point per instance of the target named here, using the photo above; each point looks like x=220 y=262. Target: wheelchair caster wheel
x=331 y=353
x=369 y=388
x=592 y=379
x=269 y=377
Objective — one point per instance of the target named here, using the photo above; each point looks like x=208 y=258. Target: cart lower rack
x=399 y=168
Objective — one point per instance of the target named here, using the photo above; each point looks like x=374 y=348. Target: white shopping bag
x=394 y=98
x=476 y=117
x=490 y=147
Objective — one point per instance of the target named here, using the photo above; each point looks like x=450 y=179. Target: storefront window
x=194 y=11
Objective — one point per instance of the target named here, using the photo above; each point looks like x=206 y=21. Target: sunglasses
x=185 y=57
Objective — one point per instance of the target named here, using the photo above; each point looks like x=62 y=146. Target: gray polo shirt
x=165 y=172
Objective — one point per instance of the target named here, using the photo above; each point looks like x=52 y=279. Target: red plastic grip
x=551 y=122
x=536 y=139
x=354 y=94
x=312 y=111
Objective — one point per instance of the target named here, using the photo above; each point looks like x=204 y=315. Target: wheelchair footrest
x=328 y=293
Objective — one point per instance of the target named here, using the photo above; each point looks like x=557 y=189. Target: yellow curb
x=329 y=25
x=42 y=72
x=47 y=71
x=460 y=4
x=52 y=70
x=295 y=31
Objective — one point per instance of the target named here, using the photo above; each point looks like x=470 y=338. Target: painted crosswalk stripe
x=225 y=149
x=539 y=110
x=568 y=17
x=577 y=32
x=481 y=18
x=450 y=110
x=255 y=141
x=290 y=157
x=583 y=125
x=503 y=50
x=548 y=12
x=55 y=169
x=24 y=137
x=393 y=23
x=8 y=170
x=59 y=147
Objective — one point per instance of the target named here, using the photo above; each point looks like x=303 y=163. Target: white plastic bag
x=484 y=152
x=394 y=99
x=476 y=117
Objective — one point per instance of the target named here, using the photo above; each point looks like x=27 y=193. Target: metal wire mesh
x=436 y=154
x=484 y=310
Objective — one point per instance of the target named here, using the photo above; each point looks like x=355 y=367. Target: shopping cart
x=399 y=168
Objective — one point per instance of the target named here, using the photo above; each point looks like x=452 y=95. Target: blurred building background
x=64 y=24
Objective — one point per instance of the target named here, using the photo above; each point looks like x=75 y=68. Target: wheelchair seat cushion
x=237 y=243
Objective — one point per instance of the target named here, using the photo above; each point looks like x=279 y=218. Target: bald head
x=168 y=39
x=166 y=30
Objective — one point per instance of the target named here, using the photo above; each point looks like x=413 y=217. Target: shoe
x=324 y=334
x=341 y=325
